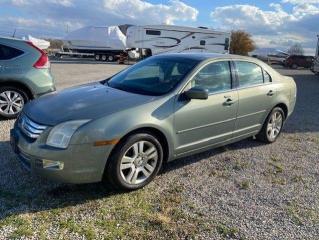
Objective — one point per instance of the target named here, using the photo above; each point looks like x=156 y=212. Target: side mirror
x=197 y=93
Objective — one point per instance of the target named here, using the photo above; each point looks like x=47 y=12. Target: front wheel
x=272 y=126
x=135 y=162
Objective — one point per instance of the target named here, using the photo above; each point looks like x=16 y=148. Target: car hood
x=89 y=101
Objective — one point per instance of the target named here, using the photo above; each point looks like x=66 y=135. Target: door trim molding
x=251 y=114
x=204 y=126
x=219 y=136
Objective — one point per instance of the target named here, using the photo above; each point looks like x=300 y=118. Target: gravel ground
x=246 y=190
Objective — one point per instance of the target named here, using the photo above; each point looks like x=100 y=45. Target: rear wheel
x=272 y=126
x=12 y=100
x=103 y=58
x=135 y=162
x=110 y=58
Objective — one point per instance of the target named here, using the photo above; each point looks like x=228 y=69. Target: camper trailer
x=315 y=66
x=157 y=39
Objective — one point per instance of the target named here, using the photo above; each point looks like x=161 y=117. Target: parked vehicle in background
x=279 y=58
x=315 y=65
x=296 y=61
x=24 y=75
x=104 y=43
x=157 y=39
x=160 y=109
x=109 y=43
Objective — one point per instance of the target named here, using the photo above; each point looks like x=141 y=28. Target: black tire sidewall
x=21 y=92
x=113 y=168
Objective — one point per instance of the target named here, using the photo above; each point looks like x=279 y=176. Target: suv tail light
x=43 y=61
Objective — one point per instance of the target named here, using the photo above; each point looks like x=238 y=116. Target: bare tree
x=241 y=43
x=296 y=49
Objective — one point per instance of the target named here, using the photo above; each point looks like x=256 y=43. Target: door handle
x=229 y=101
x=270 y=93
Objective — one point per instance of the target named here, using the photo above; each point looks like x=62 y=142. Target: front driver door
x=203 y=123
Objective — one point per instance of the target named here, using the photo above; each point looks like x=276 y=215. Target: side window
x=249 y=74
x=7 y=53
x=215 y=77
x=202 y=42
x=153 y=32
x=267 y=77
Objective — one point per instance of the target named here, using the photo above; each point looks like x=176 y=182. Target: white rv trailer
x=157 y=39
x=315 y=67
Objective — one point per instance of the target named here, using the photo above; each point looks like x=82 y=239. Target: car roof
x=205 y=56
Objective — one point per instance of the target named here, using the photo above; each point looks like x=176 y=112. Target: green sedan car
x=168 y=106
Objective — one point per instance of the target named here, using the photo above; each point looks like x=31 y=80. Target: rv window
x=153 y=32
x=202 y=42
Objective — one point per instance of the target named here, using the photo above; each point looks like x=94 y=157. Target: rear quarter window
x=7 y=53
x=267 y=77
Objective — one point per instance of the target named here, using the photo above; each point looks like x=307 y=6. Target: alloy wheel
x=274 y=125
x=11 y=102
x=139 y=162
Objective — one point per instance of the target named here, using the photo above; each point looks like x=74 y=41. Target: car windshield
x=154 y=76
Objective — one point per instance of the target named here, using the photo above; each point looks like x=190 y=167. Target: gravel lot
x=246 y=190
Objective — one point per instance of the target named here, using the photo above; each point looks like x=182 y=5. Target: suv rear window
x=7 y=53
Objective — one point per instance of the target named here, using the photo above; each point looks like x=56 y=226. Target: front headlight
x=61 y=134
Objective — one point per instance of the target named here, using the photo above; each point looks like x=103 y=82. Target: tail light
x=43 y=61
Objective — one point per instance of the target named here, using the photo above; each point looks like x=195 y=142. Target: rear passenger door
x=256 y=97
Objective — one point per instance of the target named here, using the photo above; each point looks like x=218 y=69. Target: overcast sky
x=275 y=24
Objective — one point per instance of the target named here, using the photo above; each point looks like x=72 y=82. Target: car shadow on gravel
x=184 y=161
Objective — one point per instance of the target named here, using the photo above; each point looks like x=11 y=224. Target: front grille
x=30 y=128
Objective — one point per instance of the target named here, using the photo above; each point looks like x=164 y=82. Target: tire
x=103 y=58
x=110 y=58
x=12 y=101
x=97 y=57
x=123 y=166
x=265 y=134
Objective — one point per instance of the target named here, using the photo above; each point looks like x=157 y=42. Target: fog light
x=49 y=164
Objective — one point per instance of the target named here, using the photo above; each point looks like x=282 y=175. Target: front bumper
x=83 y=163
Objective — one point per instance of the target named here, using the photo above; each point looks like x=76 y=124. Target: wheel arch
x=18 y=85
x=162 y=138
x=284 y=107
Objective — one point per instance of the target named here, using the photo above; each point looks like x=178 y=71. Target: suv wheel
x=135 y=162
x=12 y=100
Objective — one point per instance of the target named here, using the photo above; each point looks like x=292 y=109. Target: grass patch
x=226 y=231
x=239 y=165
x=146 y=213
x=244 y=185
x=277 y=167
x=302 y=215
x=22 y=227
